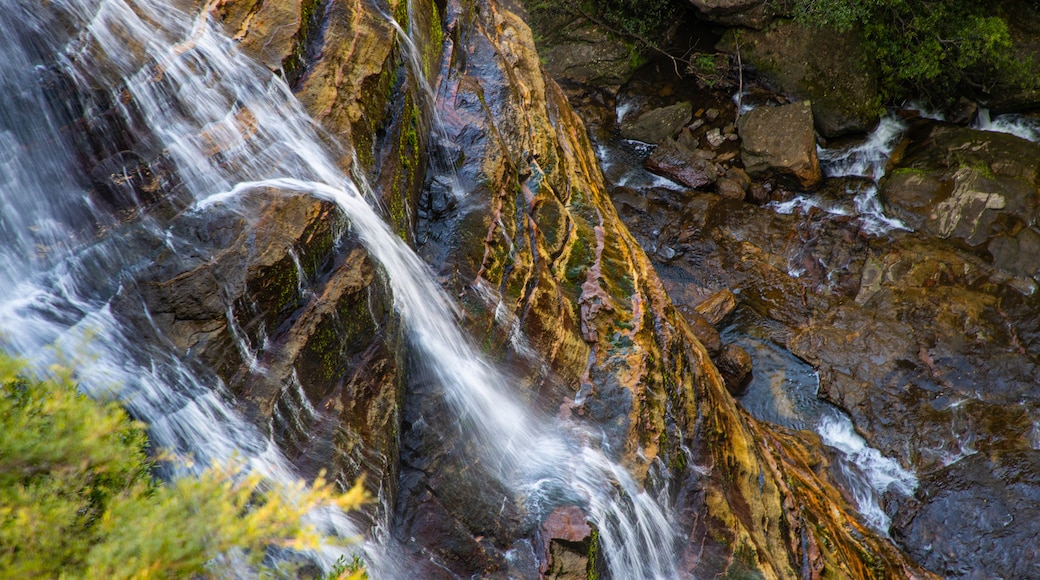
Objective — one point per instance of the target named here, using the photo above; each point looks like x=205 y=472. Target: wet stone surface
x=926 y=340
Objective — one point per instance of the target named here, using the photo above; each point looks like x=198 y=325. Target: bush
x=929 y=48
x=77 y=499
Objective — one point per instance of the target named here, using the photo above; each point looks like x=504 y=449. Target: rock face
x=780 y=140
x=826 y=67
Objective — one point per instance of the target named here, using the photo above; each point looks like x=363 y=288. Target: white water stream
x=227 y=126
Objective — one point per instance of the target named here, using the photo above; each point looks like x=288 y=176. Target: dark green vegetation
x=77 y=499
x=935 y=49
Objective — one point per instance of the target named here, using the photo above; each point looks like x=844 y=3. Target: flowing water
x=226 y=127
x=783 y=390
x=865 y=162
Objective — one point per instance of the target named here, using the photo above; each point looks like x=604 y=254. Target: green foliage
x=929 y=48
x=77 y=499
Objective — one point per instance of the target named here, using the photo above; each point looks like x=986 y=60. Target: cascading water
x=1023 y=126
x=227 y=127
x=865 y=160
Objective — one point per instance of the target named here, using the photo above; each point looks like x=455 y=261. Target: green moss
x=590 y=569
x=744 y=565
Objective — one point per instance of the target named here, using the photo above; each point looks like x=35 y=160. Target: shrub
x=77 y=499
x=934 y=49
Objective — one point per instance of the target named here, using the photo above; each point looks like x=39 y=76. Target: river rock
x=975 y=187
x=718 y=306
x=780 y=140
x=731 y=189
x=657 y=125
x=735 y=365
x=681 y=165
x=831 y=69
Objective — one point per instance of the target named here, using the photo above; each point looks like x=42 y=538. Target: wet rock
x=657 y=125
x=977 y=518
x=731 y=189
x=704 y=331
x=735 y=365
x=567 y=539
x=780 y=140
x=718 y=306
x=963 y=112
x=826 y=67
x=682 y=165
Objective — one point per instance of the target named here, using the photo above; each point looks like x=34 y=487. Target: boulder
x=656 y=125
x=824 y=66
x=576 y=50
x=672 y=160
x=780 y=140
x=747 y=13
x=976 y=188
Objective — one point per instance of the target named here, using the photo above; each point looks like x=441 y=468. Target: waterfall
x=225 y=126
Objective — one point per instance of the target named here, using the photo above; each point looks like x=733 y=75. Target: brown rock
x=704 y=331
x=656 y=125
x=731 y=189
x=735 y=366
x=567 y=540
x=781 y=140
x=682 y=165
x=740 y=176
x=718 y=306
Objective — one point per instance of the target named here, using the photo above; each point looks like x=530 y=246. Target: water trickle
x=224 y=127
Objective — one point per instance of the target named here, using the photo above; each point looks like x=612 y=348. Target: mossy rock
x=832 y=69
